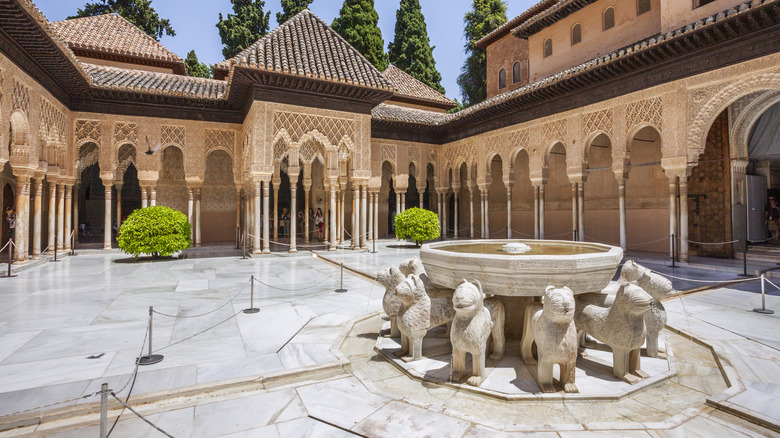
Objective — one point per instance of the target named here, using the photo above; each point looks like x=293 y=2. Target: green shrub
x=418 y=224
x=158 y=231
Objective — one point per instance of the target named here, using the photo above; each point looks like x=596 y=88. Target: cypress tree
x=242 y=28
x=195 y=67
x=411 y=50
x=485 y=17
x=290 y=8
x=139 y=12
x=357 y=23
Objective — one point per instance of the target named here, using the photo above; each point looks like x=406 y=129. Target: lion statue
x=659 y=287
x=417 y=315
x=390 y=278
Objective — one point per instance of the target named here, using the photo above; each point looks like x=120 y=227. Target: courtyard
x=305 y=364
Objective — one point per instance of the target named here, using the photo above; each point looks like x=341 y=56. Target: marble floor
x=68 y=327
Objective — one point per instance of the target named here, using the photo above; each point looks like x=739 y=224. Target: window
x=576 y=34
x=547 y=47
x=502 y=79
x=517 y=73
x=700 y=3
x=642 y=6
x=609 y=18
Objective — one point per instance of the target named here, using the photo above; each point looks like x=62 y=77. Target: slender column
x=197 y=216
x=363 y=215
x=574 y=209
x=68 y=212
x=293 y=213
x=238 y=215
x=397 y=202
x=20 y=230
x=672 y=212
x=266 y=216
x=337 y=216
x=403 y=201
x=276 y=210
x=343 y=215
x=445 y=213
x=145 y=197
x=536 y=212
x=36 y=253
x=456 y=213
x=107 y=221
x=306 y=195
x=421 y=197
x=75 y=214
x=622 y=206
x=487 y=214
x=471 y=213
x=370 y=215
x=581 y=206
x=355 y=216
x=333 y=242
x=376 y=215
x=61 y=215
x=541 y=212
x=52 y=216
x=118 y=206
x=256 y=222
x=190 y=208
x=153 y=197
x=326 y=214
x=509 y=212
x=684 y=218
x=439 y=210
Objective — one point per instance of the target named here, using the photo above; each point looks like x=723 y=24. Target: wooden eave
x=545 y=20
x=420 y=101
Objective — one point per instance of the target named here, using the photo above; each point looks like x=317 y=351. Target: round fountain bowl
x=583 y=267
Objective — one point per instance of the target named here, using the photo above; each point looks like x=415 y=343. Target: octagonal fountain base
x=511 y=380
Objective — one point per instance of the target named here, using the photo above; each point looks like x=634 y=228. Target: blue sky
x=194 y=22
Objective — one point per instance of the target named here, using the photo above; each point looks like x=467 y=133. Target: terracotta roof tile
x=395 y=113
x=111 y=33
x=305 y=46
x=140 y=81
x=511 y=24
x=548 y=16
x=407 y=86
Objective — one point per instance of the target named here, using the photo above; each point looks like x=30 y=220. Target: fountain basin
x=583 y=267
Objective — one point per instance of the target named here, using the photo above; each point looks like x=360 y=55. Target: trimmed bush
x=418 y=224
x=158 y=231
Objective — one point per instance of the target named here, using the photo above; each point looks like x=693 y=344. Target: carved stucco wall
x=171 y=187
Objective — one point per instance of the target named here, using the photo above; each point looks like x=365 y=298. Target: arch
x=218 y=198
x=517 y=72
x=634 y=131
x=489 y=160
x=576 y=34
x=608 y=18
x=699 y=126
x=548 y=48
x=590 y=140
x=88 y=154
x=549 y=150
x=171 y=186
x=744 y=122
x=126 y=155
x=501 y=79
x=20 y=133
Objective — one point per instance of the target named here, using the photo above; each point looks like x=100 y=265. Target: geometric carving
x=297 y=125
x=125 y=133
x=87 y=130
x=220 y=138
x=387 y=152
x=518 y=138
x=170 y=134
x=414 y=155
x=597 y=121
x=644 y=111
x=219 y=190
x=463 y=153
x=126 y=157
x=20 y=98
x=311 y=149
x=554 y=131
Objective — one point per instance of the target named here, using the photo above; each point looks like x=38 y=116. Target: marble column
x=622 y=207
x=343 y=215
x=52 y=216
x=190 y=208
x=508 y=211
x=440 y=212
x=61 y=216
x=363 y=215
x=444 y=213
x=370 y=215
x=574 y=210
x=276 y=209
x=118 y=206
x=75 y=215
x=293 y=213
x=684 y=218
x=197 y=216
x=326 y=215
x=541 y=212
x=672 y=213
x=20 y=228
x=456 y=211
x=238 y=216
x=145 y=197
x=355 y=216
x=581 y=209
x=36 y=252
x=107 y=216
x=403 y=201
x=68 y=214
x=421 y=197
x=487 y=214
x=397 y=201
x=536 y=212
x=256 y=217
x=333 y=242
x=471 y=213
x=307 y=196
x=153 y=196
x=266 y=216
x=376 y=215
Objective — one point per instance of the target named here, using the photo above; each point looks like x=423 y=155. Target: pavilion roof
x=142 y=81
x=412 y=90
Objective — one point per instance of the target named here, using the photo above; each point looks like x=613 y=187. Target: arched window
x=576 y=34
x=642 y=6
x=502 y=79
x=609 y=18
x=547 y=47
x=517 y=73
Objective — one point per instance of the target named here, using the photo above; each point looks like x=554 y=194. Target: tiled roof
x=407 y=86
x=305 y=46
x=140 y=81
x=111 y=33
x=395 y=113
x=511 y=24
x=548 y=16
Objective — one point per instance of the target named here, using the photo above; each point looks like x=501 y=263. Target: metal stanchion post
x=374 y=251
x=104 y=410
x=763 y=308
x=10 y=258
x=150 y=359
x=252 y=308
x=674 y=250
x=744 y=260
x=73 y=243
x=243 y=251
x=341 y=288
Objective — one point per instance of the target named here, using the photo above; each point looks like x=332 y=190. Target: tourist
x=319 y=222
x=284 y=221
x=301 y=222
x=772 y=218
x=10 y=216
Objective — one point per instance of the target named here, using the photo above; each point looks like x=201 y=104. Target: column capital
x=676 y=166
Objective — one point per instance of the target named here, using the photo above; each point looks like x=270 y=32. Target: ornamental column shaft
x=61 y=215
x=342 y=215
x=190 y=209
x=581 y=209
x=672 y=213
x=153 y=196
x=256 y=218
x=293 y=213
x=306 y=195
x=118 y=206
x=370 y=215
x=107 y=218
x=52 y=216
x=75 y=215
x=37 y=219
x=376 y=215
x=266 y=216
x=574 y=209
x=363 y=215
x=356 y=217
x=541 y=212
x=456 y=214
x=333 y=218
x=622 y=207
x=20 y=227
x=471 y=213
x=509 y=212
x=145 y=197
x=276 y=211
x=68 y=214
x=197 y=216
x=684 y=218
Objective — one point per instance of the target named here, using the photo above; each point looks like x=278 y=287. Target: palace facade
x=630 y=122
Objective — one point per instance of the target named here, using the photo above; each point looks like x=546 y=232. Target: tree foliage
x=243 y=27
x=485 y=17
x=158 y=231
x=411 y=49
x=290 y=8
x=418 y=224
x=357 y=23
x=196 y=68
x=139 y=12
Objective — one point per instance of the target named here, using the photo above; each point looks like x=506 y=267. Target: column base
x=197 y=245
x=266 y=251
x=36 y=257
x=257 y=251
x=106 y=248
x=293 y=251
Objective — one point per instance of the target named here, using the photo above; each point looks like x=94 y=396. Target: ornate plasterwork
x=172 y=135
x=644 y=111
x=20 y=98
x=87 y=130
x=88 y=156
x=310 y=150
x=126 y=157
x=125 y=133
x=219 y=191
x=387 y=152
x=414 y=157
x=297 y=125
x=51 y=132
x=744 y=114
x=597 y=121
x=462 y=153
x=220 y=139
x=554 y=131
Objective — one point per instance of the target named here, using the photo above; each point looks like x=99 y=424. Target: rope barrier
x=297 y=288
x=742 y=280
x=6 y=245
x=776 y=286
x=83 y=397
x=647 y=243
x=712 y=243
x=521 y=233
x=200 y=332
x=230 y=300
x=761 y=241
x=140 y=416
